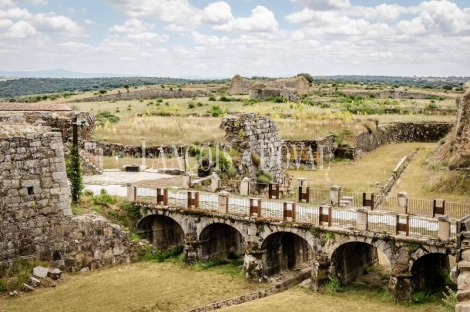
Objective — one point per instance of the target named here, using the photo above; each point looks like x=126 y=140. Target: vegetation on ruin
x=74 y=173
x=14 y=274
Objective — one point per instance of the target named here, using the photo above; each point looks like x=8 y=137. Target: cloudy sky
x=210 y=38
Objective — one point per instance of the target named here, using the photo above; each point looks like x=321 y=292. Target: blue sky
x=210 y=38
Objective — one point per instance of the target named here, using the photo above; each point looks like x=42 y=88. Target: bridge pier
x=192 y=249
x=253 y=265
x=320 y=271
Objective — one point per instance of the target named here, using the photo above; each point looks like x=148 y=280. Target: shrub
x=101 y=92
x=74 y=174
x=161 y=256
x=264 y=177
x=107 y=115
x=191 y=106
x=199 y=104
x=447 y=87
x=212 y=98
x=104 y=199
x=216 y=111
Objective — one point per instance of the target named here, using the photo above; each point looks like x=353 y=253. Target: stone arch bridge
x=275 y=236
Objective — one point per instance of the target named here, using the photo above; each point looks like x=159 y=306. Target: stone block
x=40 y=272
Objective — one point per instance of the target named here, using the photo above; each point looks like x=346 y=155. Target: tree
x=306 y=76
x=74 y=173
x=126 y=86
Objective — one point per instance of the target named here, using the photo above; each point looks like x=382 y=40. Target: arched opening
x=430 y=271
x=162 y=231
x=285 y=251
x=357 y=261
x=222 y=241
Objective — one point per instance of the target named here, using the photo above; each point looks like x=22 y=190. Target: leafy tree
x=74 y=173
x=126 y=86
x=306 y=76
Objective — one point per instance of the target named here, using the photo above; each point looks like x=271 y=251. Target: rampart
x=149 y=94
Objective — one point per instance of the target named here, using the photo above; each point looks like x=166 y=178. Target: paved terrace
x=277 y=236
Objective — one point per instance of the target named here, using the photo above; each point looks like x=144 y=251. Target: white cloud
x=19 y=30
x=386 y=13
x=147 y=37
x=324 y=5
x=261 y=20
x=173 y=27
x=88 y=22
x=217 y=13
x=11 y=3
x=171 y=11
x=132 y=25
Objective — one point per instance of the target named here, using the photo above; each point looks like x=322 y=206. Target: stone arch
x=161 y=231
x=221 y=240
x=285 y=251
x=350 y=260
x=428 y=271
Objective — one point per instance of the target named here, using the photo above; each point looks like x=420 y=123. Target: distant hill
x=55 y=73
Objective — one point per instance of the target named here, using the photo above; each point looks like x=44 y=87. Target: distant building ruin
x=239 y=86
x=288 y=88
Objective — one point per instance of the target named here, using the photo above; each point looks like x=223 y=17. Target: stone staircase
x=346 y=201
x=88 y=167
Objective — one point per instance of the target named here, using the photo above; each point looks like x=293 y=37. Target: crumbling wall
x=257 y=139
x=461 y=148
x=239 y=85
x=36 y=219
x=149 y=94
x=263 y=93
x=393 y=94
x=298 y=83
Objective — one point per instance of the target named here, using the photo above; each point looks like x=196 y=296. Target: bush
x=447 y=87
x=161 y=256
x=191 y=106
x=216 y=111
x=332 y=287
x=74 y=174
x=101 y=92
x=212 y=98
x=104 y=199
x=107 y=115
x=264 y=177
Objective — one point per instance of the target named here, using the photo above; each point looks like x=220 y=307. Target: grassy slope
x=361 y=175
x=140 y=286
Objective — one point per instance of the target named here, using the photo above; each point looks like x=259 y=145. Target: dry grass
x=154 y=163
x=417 y=177
x=300 y=300
x=361 y=175
x=139 y=287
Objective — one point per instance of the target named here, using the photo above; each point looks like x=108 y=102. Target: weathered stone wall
x=375 y=137
x=35 y=214
x=386 y=94
x=149 y=94
x=262 y=93
x=299 y=84
x=239 y=85
x=256 y=138
x=461 y=150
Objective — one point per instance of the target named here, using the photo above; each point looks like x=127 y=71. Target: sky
x=207 y=38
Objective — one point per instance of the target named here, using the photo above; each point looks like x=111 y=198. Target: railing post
x=368 y=202
x=402 y=199
x=245 y=187
x=193 y=199
x=162 y=197
x=335 y=195
x=273 y=192
x=255 y=209
x=444 y=228
x=362 y=219
x=289 y=211
x=403 y=227
x=439 y=209
x=215 y=183
x=325 y=217
x=186 y=181
x=131 y=193
x=223 y=202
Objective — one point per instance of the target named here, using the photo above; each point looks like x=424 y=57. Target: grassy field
x=417 y=177
x=300 y=300
x=137 y=287
x=361 y=175
x=164 y=287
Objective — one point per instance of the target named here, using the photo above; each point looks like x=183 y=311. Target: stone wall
x=36 y=219
x=399 y=95
x=461 y=149
x=399 y=132
x=239 y=85
x=149 y=94
x=298 y=83
x=256 y=138
x=263 y=93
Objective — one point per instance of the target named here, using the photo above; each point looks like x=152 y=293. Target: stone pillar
x=215 y=183
x=144 y=164
x=361 y=219
x=131 y=193
x=245 y=187
x=402 y=203
x=253 y=266
x=223 y=202
x=401 y=287
x=320 y=150
x=321 y=270
x=192 y=250
x=335 y=195
x=186 y=181
x=302 y=182
x=444 y=228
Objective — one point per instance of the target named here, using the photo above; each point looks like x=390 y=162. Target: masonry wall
x=149 y=94
x=36 y=219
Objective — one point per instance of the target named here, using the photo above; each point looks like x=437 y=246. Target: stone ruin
x=239 y=86
x=257 y=140
x=461 y=150
x=36 y=220
x=288 y=88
